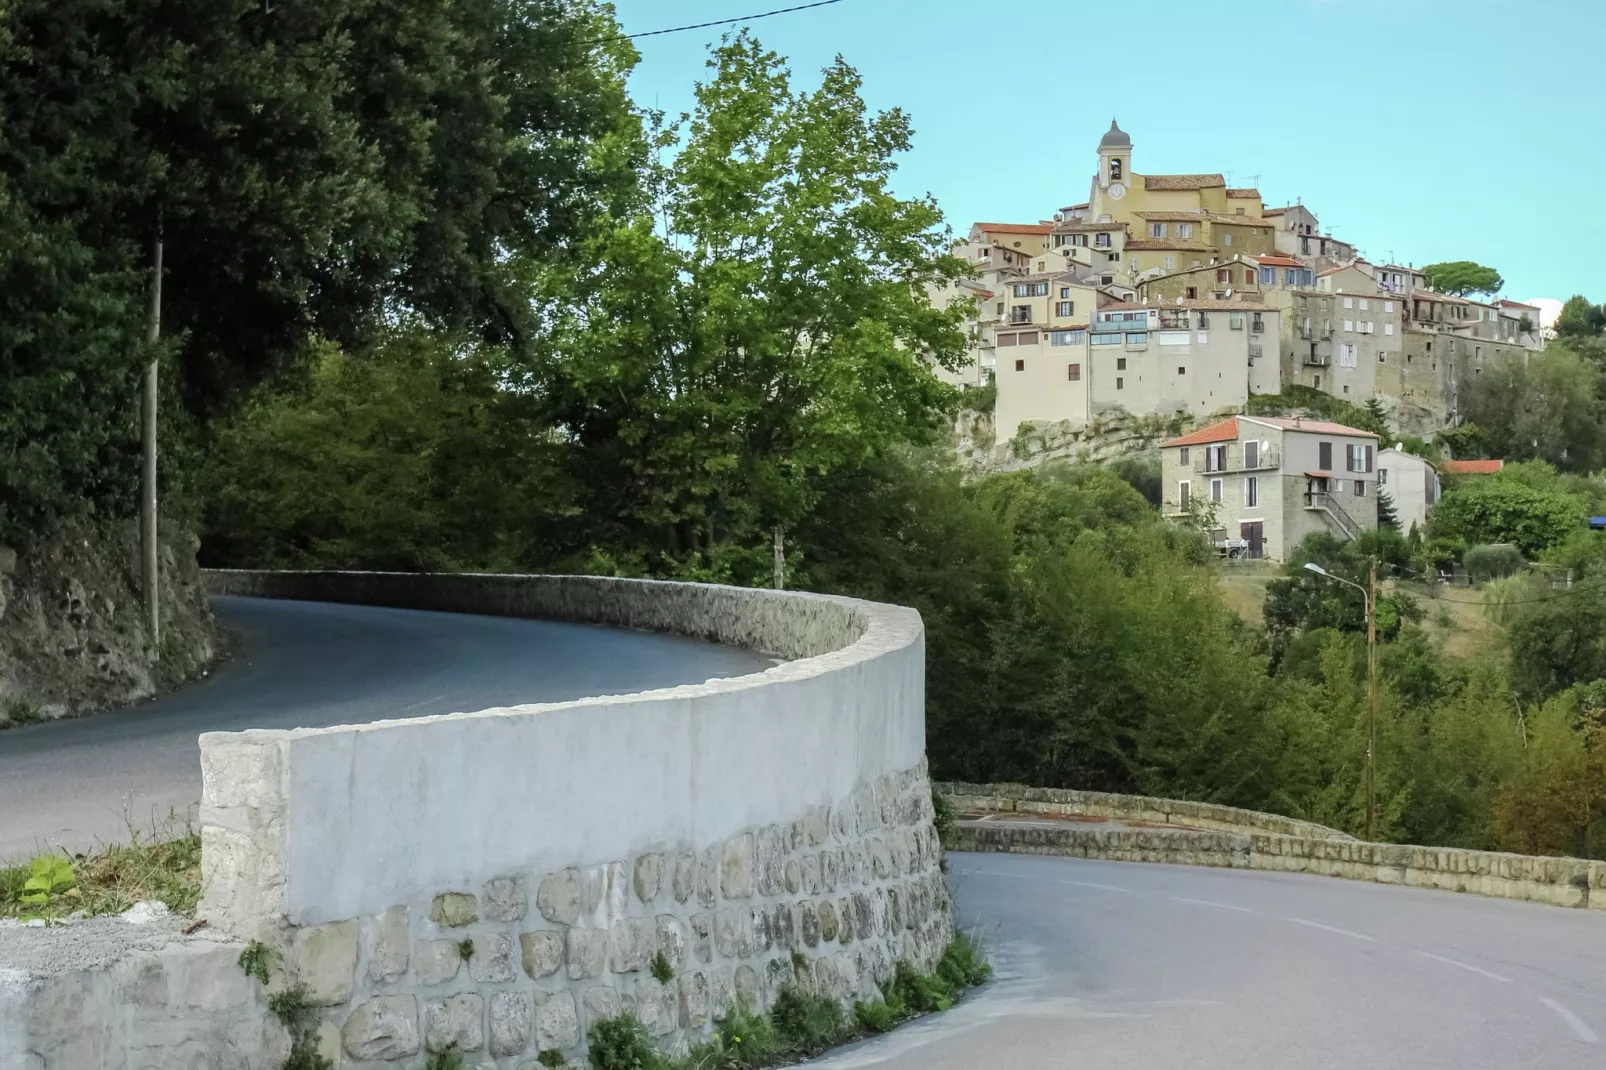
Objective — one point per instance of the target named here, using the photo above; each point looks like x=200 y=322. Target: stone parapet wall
x=1566 y=882
x=1018 y=798
x=495 y=881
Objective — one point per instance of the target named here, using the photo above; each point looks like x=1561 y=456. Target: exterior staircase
x=1327 y=502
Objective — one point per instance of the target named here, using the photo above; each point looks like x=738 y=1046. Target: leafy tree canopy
x=310 y=167
x=1580 y=319
x=757 y=323
x=1525 y=507
x=1462 y=277
x=1550 y=409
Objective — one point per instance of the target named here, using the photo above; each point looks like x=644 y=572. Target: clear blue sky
x=1432 y=129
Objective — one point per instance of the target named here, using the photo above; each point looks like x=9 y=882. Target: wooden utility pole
x=1371 y=704
x=150 y=555
x=780 y=559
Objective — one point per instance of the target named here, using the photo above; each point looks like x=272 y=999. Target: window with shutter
x=1251 y=491
x=1349 y=457
x=1324 y=456
x=1215 y=490
x=1182 y=495
x=1251 y=454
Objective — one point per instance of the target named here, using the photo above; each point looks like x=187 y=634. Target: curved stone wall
x=1007 y=799
x=498 y=879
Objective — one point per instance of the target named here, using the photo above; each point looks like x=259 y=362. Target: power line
x=717 y=22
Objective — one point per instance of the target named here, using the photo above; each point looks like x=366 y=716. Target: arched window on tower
x=1115 y=169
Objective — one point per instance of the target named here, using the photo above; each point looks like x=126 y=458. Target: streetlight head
x=1311 y=566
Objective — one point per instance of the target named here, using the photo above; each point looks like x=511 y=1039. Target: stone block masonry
x=497 y=881
x=525 y=962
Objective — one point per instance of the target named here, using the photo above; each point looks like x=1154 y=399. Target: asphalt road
x=308 y=664
x=1110 y=965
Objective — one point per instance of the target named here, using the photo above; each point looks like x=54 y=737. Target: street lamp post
x=1369 y=599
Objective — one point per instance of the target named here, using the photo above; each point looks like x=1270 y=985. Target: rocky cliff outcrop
x=72 y=626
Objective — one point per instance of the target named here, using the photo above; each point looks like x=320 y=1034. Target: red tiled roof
x=1273 y=211
x=1470 y=468
x=1279 y=260
x=1183 y=181
x=1225 y=431
x=1244 y=194
x=1017 y=228
x=1318 y=427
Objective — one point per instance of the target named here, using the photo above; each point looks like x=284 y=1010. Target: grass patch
x=166 y=867
x=800 y=1024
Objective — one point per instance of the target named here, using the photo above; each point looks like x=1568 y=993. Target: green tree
x=1558 y=640
x=713 y=374
x=1580 y=319
x=1503 y=509
x=407 y=456
x=294 y=160
x=1462 y=277
x=1550 y=409
x=1555 y=803
x=1301 y=601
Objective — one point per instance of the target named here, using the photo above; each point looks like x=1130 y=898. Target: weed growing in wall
x=257 y=961
x=450 y=1059
x=465 y=949
x=290 y=1005
x=800 y=1023
x=662 y=972
x=300 y=1020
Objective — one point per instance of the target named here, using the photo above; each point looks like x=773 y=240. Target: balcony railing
x=1235 y=461
x=1317 y=360
x=1258 y=326
x=1255 y=349
x=1016 y=319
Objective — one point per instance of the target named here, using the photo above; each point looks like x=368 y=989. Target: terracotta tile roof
x=1470 y=468
x=1244 y=194
x=1074 y=207
x=1225 y=431
x=1335 y=270
x=1315 y=427
x=1273 y=211
x=1517 y=304
x=1183 y=181
x=1016 y=228
x=1139 y=245
x=1279 y=260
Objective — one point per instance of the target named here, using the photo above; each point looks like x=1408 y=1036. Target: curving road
x=309 y=664
x=1132 y=966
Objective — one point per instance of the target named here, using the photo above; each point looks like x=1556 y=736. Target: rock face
x=72 y=624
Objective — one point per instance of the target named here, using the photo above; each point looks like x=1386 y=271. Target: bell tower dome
x=1115 y=157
